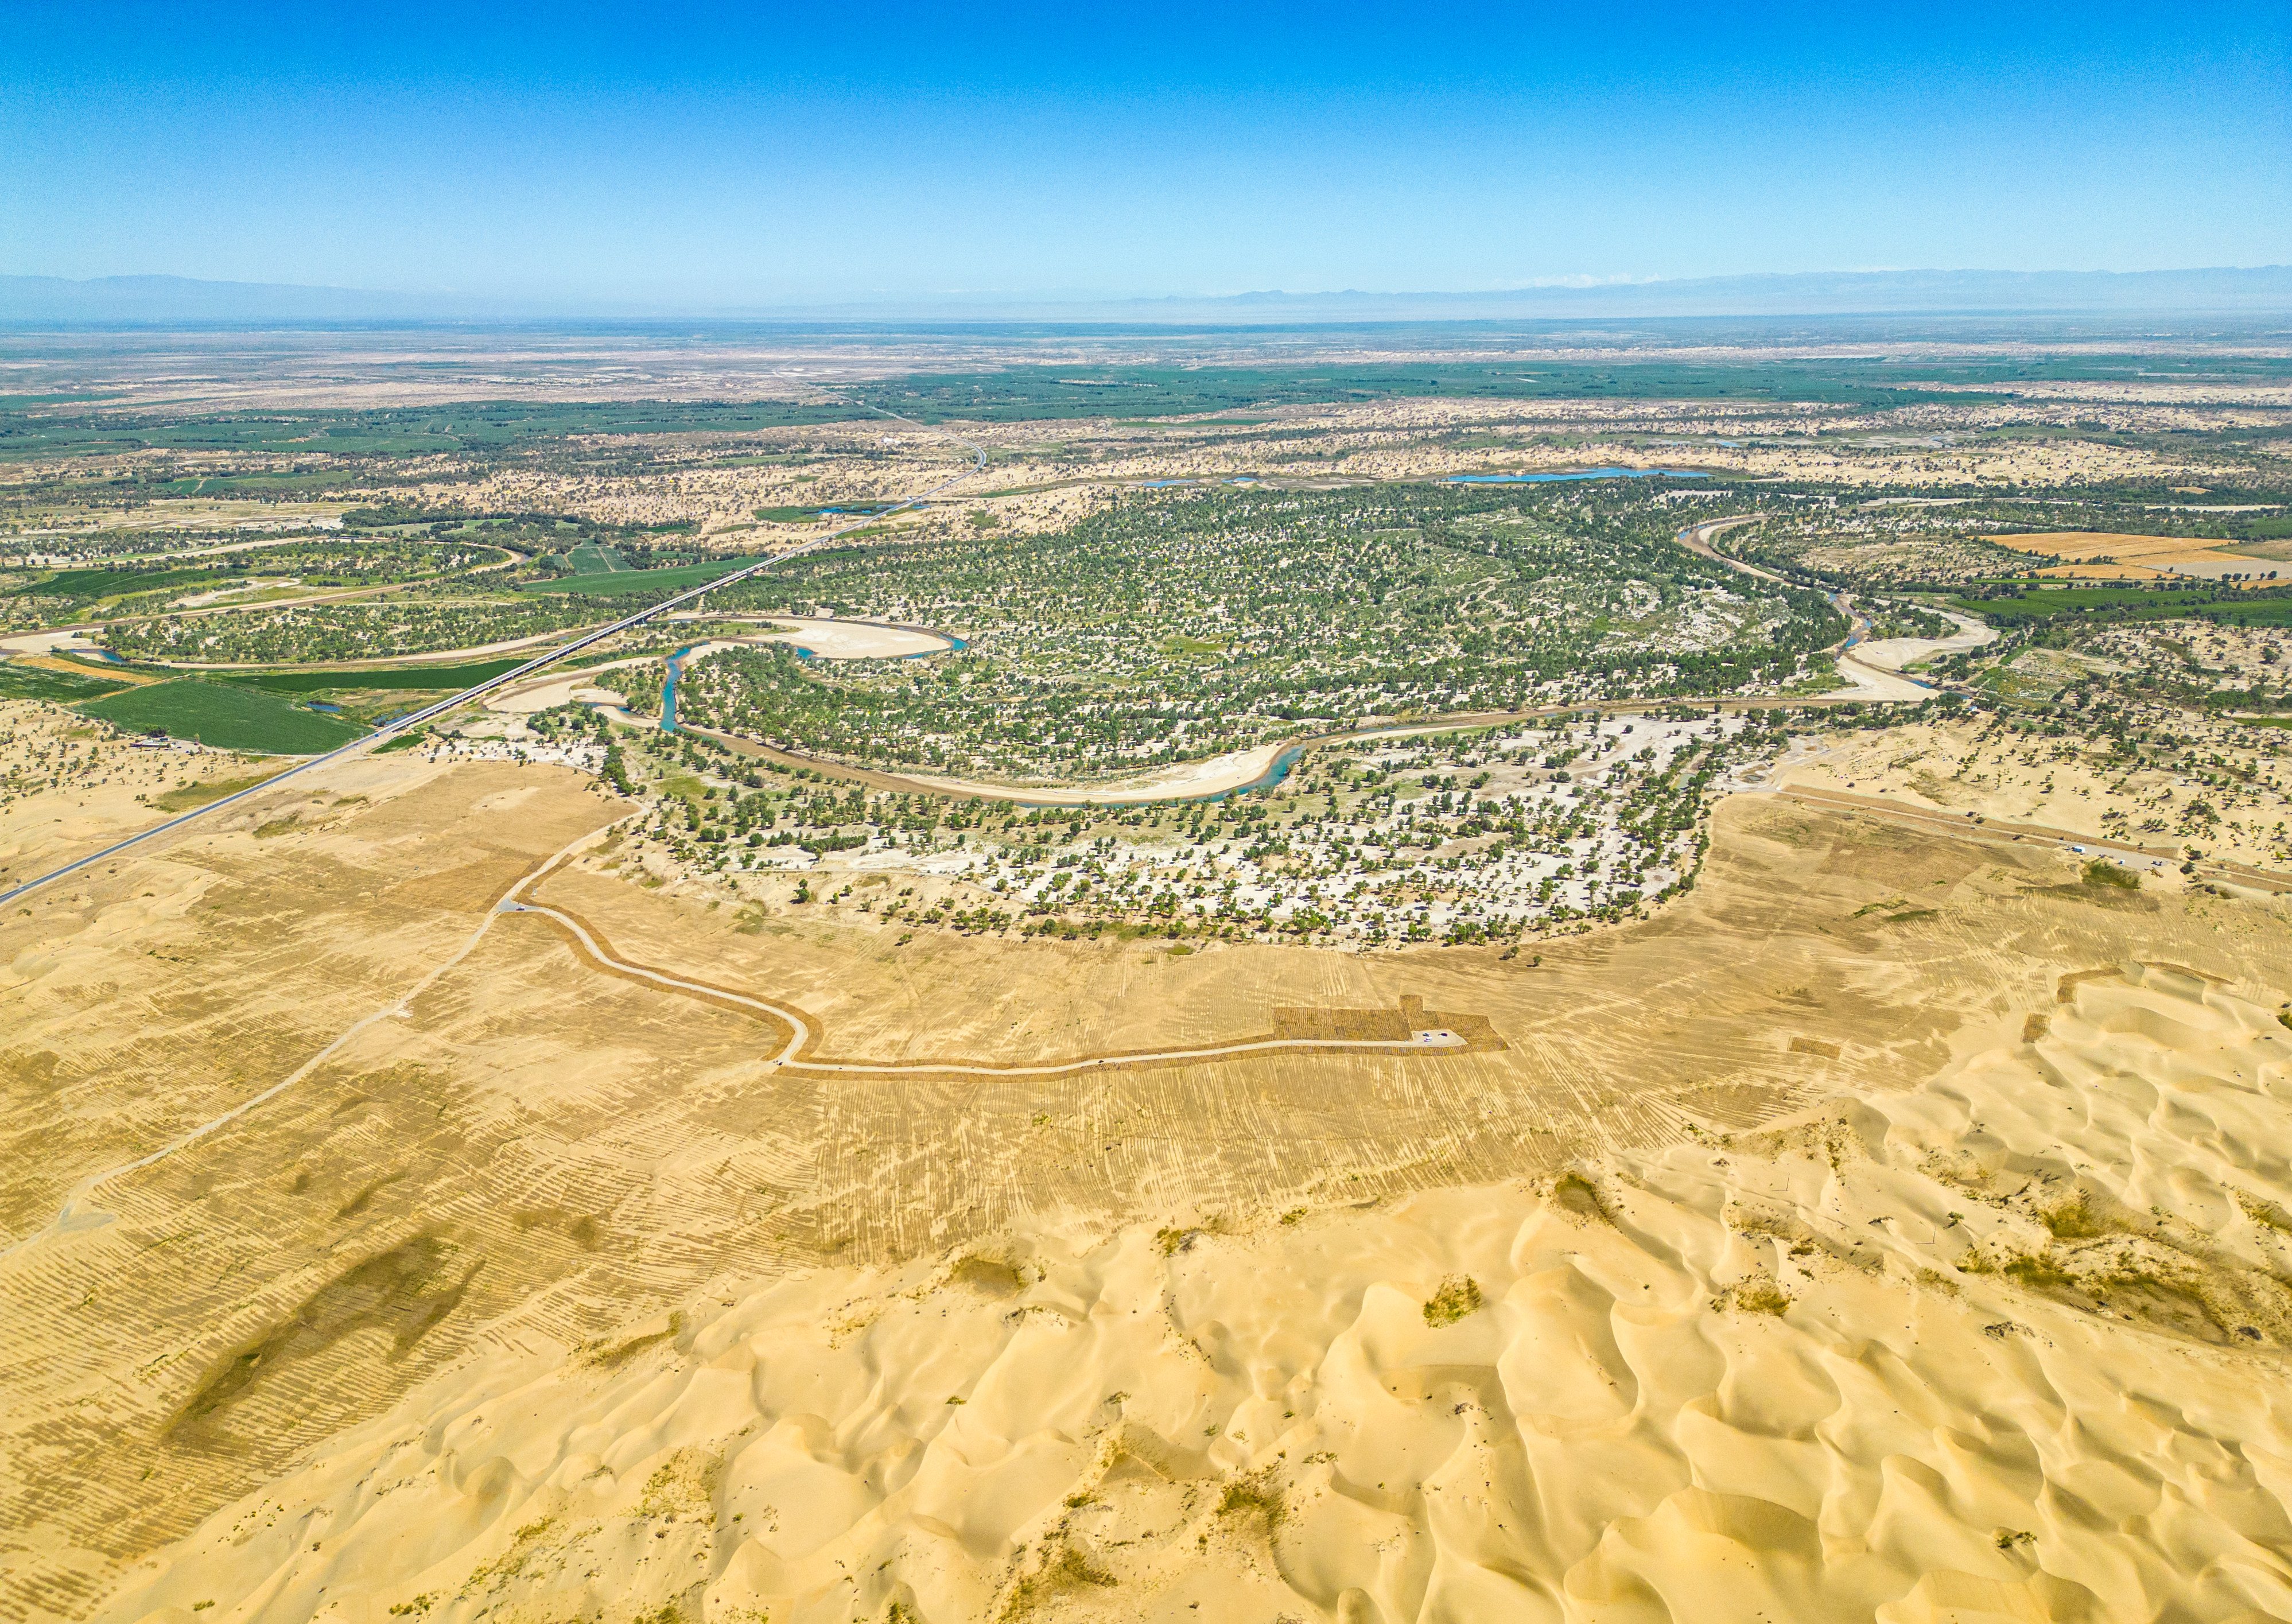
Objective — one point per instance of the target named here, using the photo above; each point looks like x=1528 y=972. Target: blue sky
x=583 y=155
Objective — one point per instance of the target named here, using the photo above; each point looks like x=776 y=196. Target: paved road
x=540 y=662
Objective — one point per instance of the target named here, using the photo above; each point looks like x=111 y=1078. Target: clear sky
x=751 y=155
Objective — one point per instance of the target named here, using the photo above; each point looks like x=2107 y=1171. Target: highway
x=539 y=662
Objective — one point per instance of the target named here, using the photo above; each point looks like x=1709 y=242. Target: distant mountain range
x=2266 y=288
x=2261 y=290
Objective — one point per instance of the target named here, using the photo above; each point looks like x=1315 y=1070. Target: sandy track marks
x=1792 y=1381
x=803 y=1035
x=75 y=1214
x=610 y=1153
x=1989 y=829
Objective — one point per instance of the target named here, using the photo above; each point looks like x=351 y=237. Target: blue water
x=668 y=690
x=1587 y=474
x=1267 y=780
x=332 y=710
x=1158 y=484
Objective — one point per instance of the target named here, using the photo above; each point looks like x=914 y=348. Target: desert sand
x=1956 y=768
x=1991 y=1347
x=1888 y=1230
x=1212 y=775
x=829 y=639
x=1901 y=653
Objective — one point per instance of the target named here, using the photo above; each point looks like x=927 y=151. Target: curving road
x=75 y=1214
x=801 y=1034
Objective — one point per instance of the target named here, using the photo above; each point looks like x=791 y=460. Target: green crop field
x=833 y=510
x=2132 y=604
x=375 y=678
x=595 y=558
x=223 y=717
x=18 y=681
x=639 y=583
x=224 y=484
x=108 y=582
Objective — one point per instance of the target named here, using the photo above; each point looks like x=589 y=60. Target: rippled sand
x=2006 y=1345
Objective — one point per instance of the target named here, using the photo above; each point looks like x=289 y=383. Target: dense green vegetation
x=223 y=717
x=370 y=630
x=461 y=426
x=1179 y=626
x=1054 y=393
x=2017 y=607
x=41 y=597
x=805 y=515
x=90 y=583
x=377 y=677
x=592 y=557
x=260 y=484
x=637 y=583
x=22 y=682
x=1482 y=836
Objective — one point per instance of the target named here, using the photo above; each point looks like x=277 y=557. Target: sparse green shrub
x=1459 y=1298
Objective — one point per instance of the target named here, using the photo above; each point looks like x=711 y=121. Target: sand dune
x=826 y=639
x=2009 y=1345
x=1213 y=775
x=1900 y=653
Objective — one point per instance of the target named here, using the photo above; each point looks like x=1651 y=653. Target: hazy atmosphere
x=889 y=816
x=585 y=160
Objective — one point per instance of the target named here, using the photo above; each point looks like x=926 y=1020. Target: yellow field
x=546 y=1295
x=2099 y=556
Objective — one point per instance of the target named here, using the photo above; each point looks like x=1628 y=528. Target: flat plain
x=1743 y=1149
